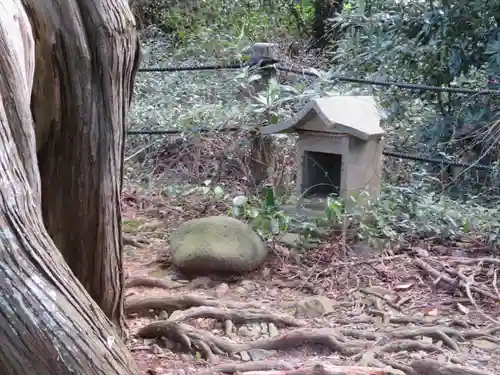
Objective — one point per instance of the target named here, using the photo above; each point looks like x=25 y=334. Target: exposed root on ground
x=319 y=369
x=422 y=367
x=432 y=367
x=137 y=304
x=231 y=368
x=237 y=316
x=362 y=347
x=151 y=282
x=190 y=338
x=366 y=351
x=129 y=240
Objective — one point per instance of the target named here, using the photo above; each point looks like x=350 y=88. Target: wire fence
x=331 y=77
x=274 y=64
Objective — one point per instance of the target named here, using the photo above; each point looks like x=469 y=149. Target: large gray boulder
x=216 y=245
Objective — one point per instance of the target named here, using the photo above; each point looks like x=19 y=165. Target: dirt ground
x=311 y=312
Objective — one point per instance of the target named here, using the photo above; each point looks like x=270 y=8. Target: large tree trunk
x=86 y=59
x=49 y=324
x=323 y=10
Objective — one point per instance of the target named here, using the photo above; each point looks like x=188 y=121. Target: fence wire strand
x=274 y=64
x=332 y=77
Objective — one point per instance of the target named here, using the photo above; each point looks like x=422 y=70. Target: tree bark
x=324 y=9
x=49 y=324
x=87 y=54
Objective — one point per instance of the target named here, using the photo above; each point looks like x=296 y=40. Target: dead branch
x=465 y=287
x=386 y=299
x=151 y=282
x=238 y=316
x=473 y=261
x=495 y=282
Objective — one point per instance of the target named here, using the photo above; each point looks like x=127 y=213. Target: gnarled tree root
x=363 y=348
x=200 y=306
x=191 y=339
x=210 y=345
x=138 y=304
x=238 y=316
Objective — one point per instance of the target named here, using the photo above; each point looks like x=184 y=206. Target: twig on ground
x=465 y=287
x=471 y=261
x=495 y=282
x=467 y=283
x=380 y=296
x=141 y=150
